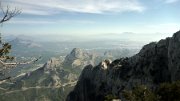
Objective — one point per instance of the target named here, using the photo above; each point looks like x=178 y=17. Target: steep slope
x=51 y=82
x=48 y=83
x=77 y=59
x=156 y=63
x=50 y=75
x=55 y=76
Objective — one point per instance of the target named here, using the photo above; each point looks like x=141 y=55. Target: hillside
x=48 y=83
x=156 y=63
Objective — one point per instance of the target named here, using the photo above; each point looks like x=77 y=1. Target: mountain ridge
x=156 y=63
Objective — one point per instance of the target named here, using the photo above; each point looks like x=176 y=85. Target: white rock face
x=105 y=64
x=78 y=58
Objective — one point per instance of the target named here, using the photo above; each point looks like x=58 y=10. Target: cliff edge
x=156 y=63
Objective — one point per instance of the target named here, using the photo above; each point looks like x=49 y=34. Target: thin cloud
x=46 y=21
x=171 y=1
x=49 y=7
x=30 y=22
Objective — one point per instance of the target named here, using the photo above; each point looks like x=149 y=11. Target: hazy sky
x=94 y=17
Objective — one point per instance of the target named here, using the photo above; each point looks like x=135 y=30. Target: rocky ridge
x=48 y=83
x=51 y=82
x=156 y=63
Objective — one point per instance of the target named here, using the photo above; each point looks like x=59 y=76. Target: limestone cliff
x=78 y=58
x=157 y=62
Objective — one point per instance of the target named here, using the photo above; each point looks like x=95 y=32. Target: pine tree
x=5 y=15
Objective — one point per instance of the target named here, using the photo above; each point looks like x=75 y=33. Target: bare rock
x=156 y=63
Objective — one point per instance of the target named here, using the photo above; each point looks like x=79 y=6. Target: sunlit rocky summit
x=79 y=58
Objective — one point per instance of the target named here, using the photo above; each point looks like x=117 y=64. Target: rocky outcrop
x=157 y=62
x=52 y=64
x=78 y=58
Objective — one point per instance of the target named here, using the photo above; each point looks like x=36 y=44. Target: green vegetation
x=165 y=92
x=4 y=50
x=169 y=91
x=6 y=13
x=110 y=97
x=140 y=93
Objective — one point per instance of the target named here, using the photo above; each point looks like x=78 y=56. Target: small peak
x=52 y=63
x=76 y=50
x=177 y=35
x=77 y=53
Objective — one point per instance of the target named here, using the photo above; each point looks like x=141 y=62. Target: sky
x=95 y=18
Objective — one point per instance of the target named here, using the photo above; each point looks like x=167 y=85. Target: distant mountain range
x=62 y=66
x=19 y=42
x=57 y=74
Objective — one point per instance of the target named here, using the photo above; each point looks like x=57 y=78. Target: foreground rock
x=154 y=64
